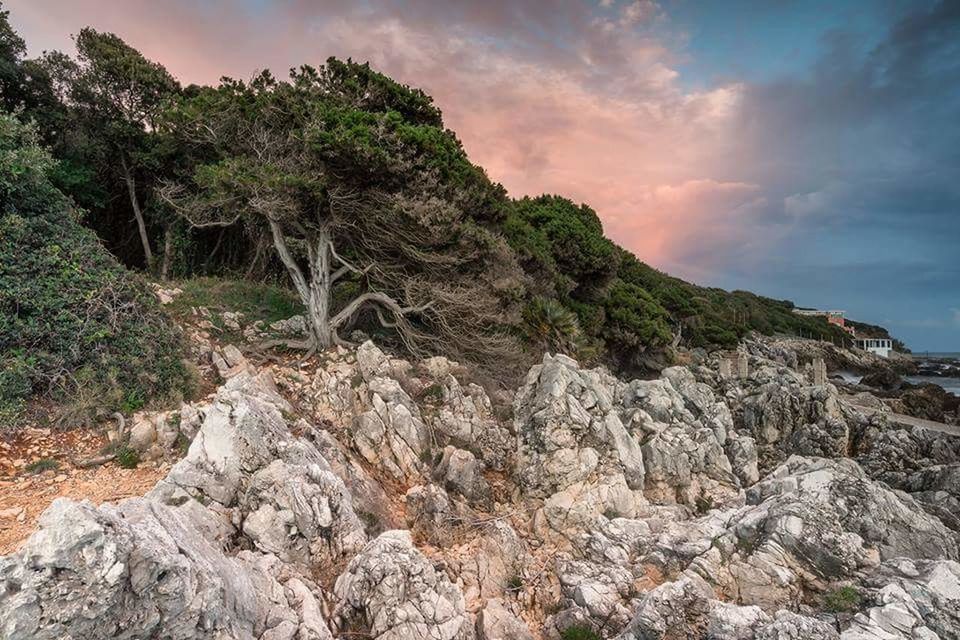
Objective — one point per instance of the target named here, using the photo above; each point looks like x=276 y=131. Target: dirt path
x=24 y=498
x=35 y=469
x=909 y=421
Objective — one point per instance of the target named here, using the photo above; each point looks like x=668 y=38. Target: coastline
x=941 y=369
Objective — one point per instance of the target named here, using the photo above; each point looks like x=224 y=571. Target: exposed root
x=93 y=462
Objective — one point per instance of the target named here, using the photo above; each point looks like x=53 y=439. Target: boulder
x=912 y=599
x=431 y=516
x=394 y=591
x=496 y=622
x=301 y=514
x=143 y=432
x=810 y=523
x=465 y=417
x=141 y=569
x=569 y=429
x=460 y=471
x=391 y=434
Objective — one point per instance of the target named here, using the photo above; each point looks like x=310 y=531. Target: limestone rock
x=140 y=569
x=292 y=326
x=370 y=500
x=392 y=433
x=230 y=362
x=496 y=622
x=430 y=513
x=465 y=417
x=461 y=472
x=569 y=429
x=143 y=432
x=679 y=608
x=392 y=587
x=300 y=513
x=914 y=599
x=785 y=416
x=493 y=564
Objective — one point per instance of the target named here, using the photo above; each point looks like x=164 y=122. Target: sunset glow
x=810 y=154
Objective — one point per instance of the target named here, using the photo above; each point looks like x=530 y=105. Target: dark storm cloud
x=861 y=149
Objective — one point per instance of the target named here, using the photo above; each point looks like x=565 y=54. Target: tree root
x=297 y=345
x=92 y=462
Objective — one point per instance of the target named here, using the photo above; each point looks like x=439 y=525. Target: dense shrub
x=842 y=600
x=579 y=632
x=73 y=323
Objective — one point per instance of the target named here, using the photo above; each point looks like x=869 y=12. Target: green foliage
x=844 y=599
x=705 y=503
x=634 y=319
x=182 y=444
x=382 y=183
x=432 y=393
x=714 y=317
x=127 y=457
x=255 y=300
x=552 y=327
x=12 y=48
x=369 y=90
x=72 y=321
x=579 y=632
x=515 y=583
x=563 y=241
x=41 y=465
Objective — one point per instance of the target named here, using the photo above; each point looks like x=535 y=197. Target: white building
x=880 y=346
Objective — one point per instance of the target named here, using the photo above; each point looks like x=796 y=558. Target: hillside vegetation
x=338 y=185
x=74 y=324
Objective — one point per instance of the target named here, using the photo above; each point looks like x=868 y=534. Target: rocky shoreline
x=373 y=497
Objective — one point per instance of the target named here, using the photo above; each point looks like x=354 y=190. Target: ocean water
x=938 y=355
x=950 y=384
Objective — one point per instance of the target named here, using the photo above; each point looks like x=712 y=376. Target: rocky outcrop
x=496 y=622
x=461 y=472
x=913 y=599
x=812 y=523
x=142 y=569
x=393 y=593
x=591 y=444
x=169 y=564
x=694 y=505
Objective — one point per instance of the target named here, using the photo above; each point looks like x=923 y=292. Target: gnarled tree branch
x=374 y=297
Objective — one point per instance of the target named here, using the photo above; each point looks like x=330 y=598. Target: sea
x=932 y=360
x=927 y=362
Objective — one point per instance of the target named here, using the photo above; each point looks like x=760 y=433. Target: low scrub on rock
x=74 y=324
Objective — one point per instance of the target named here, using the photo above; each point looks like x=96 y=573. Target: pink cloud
x=598 y=116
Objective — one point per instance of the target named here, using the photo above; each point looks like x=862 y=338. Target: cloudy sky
x=803 y=150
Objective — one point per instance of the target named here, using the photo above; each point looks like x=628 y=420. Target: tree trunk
x=167 y=252
x=257 y=256
x=321 y=289
x=315 y=292
x=141 y=225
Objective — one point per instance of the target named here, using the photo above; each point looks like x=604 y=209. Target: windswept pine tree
x=370 y=204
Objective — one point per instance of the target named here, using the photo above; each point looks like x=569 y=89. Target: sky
x=804 y=150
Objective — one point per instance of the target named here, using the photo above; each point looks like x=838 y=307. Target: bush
x=41 y=465
x=127 y=457
x=74 y=324
x=842 y=600
x=550 y=326
x=579 y=632
x=515 y=583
